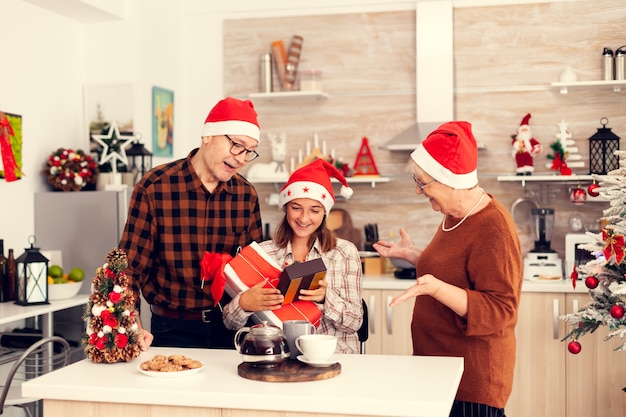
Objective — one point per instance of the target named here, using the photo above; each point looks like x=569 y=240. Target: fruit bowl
x=61 y=291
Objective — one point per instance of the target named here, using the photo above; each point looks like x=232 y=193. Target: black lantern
x=32 y=277
x=140 y=160
x=602 y=147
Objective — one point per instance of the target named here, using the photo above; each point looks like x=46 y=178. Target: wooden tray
x=290 y=370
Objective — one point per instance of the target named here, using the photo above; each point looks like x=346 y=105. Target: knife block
x=374 y=266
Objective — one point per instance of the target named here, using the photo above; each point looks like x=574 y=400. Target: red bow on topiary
x=614 y=245
x=212 y=269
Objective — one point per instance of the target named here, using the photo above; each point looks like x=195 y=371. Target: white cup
x=317 y=347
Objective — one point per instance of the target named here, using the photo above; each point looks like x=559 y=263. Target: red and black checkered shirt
x=173 y=220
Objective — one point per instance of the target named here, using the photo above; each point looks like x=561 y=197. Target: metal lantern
x=32 y=276
x=602 y=147
x=140 y=160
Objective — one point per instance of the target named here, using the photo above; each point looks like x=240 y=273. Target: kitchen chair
x=41 y=357
x=363 y=332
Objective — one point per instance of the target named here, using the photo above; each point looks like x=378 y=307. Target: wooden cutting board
x=290 y=370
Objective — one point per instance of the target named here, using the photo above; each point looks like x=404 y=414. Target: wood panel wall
x=501 y=71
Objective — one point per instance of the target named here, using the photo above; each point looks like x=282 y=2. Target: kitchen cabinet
x=389 y=328
x=549 y=381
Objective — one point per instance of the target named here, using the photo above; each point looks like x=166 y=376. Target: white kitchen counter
x=389 y=282
x=373 y=385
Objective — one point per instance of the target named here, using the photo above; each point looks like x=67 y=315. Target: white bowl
x=63 y=291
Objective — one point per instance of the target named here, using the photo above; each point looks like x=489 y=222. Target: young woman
x=302 y=236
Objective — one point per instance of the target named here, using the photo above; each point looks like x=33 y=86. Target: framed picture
x=162 y=122
x=12 y=157
x=105 y=104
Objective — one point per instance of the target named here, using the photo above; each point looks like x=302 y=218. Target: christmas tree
x=605 y=275
x=112 y=331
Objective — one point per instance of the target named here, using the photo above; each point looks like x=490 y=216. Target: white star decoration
x=113 y=146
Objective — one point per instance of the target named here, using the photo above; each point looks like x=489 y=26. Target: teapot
x=263 y=344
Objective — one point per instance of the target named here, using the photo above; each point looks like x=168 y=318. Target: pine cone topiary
x=117 y=260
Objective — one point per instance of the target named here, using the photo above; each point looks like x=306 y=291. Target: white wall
x=40 y=78
x=47 y=60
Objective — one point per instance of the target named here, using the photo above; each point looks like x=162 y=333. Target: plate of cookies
x=161 y=366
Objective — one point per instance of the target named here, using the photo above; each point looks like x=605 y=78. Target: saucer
x=319 y=364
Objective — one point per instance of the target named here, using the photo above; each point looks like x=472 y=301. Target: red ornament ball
x=591 y=282
x=617 y=311
x=574 y=347
x=591 y=190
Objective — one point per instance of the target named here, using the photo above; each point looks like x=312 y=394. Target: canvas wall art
x=10 y=146
x=162 y=122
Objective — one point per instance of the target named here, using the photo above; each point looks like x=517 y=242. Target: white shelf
x=616 y=85
x=549 y=178
x=289 y=96
x=359 y=179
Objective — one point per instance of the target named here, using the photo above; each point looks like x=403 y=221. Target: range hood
x=411 y=137
x=434 y=72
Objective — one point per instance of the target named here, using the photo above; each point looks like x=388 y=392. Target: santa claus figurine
x=525 y=147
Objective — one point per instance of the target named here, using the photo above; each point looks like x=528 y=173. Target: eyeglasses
x=421 y=185
x=238 y=149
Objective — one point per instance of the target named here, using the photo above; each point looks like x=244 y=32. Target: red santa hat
x=313 y=181
x=450 y=155
x=232 y=116
x=525 y=120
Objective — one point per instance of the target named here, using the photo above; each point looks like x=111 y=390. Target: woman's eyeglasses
x=238 y=149
x=421 y=185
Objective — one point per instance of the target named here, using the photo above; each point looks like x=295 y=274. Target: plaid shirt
x=173 y=220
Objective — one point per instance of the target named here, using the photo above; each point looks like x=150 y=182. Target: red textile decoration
x=559 y=164
x=212 y=269
x=614 y=245
x=8 y=158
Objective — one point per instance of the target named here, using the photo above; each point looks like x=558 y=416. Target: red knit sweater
x=483 y=256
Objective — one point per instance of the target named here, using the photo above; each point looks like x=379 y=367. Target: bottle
x=11 y=278
x=620 y=63
x=3 y=266
x=607 y=64
x=266 y=73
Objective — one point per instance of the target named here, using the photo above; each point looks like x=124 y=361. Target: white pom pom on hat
x=232 y=116
x=450 y=155
x=314 y=181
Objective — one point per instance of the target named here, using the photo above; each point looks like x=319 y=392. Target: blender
x=543 y=263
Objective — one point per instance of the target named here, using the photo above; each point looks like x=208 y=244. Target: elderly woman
x=470 y=274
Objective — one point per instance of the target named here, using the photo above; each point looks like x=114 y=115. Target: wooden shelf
x=564 y=87
x=289 y=96
x=361 y=179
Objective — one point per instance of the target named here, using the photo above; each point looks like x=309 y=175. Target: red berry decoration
x=591 y=282
x=574 y=347
x=591 y=190
x=617 y=311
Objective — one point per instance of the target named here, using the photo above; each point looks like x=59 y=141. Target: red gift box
x=251 y=266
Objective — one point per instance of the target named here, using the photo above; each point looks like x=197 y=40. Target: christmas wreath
x=70 y=170
x=112 y=333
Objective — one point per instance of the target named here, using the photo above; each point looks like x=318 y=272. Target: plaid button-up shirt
x=173 y=220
